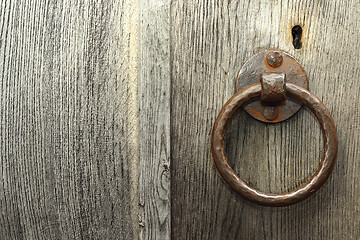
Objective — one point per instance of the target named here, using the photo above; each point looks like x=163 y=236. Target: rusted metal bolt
x=274 y=59
x=270 y=113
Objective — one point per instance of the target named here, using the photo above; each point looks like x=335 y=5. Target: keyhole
x=297 y=34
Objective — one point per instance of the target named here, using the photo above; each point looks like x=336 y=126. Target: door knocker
x=271 y=87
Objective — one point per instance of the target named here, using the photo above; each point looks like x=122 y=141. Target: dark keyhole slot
x=297 y=34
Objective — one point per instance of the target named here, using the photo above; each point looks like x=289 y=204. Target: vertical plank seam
x=132 y=28
x=154 y=116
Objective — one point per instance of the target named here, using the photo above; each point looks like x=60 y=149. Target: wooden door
x=107 y=109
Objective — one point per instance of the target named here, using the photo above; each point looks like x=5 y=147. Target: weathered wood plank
x=210 y=41
x=69 y=119
x=154 y=93
x=78 y=159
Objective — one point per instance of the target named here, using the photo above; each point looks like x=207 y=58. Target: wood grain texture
x=87 y=92
x=85 y=119
x=210 y=41
x=154 y=92
x=69 y=120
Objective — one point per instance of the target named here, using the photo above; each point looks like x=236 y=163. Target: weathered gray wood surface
x=211 y=39
x=154 y=95
x=71 y=131
x=87 y=92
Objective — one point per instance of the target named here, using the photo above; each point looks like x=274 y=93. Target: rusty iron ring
x=268 y=199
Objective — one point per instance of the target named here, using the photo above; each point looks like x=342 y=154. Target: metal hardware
x=273 y=88
x=274 y=92
x=272 y=61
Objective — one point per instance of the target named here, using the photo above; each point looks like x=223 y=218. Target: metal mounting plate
x=251 y=72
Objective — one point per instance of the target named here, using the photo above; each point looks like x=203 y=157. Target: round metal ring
x=236 y=183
